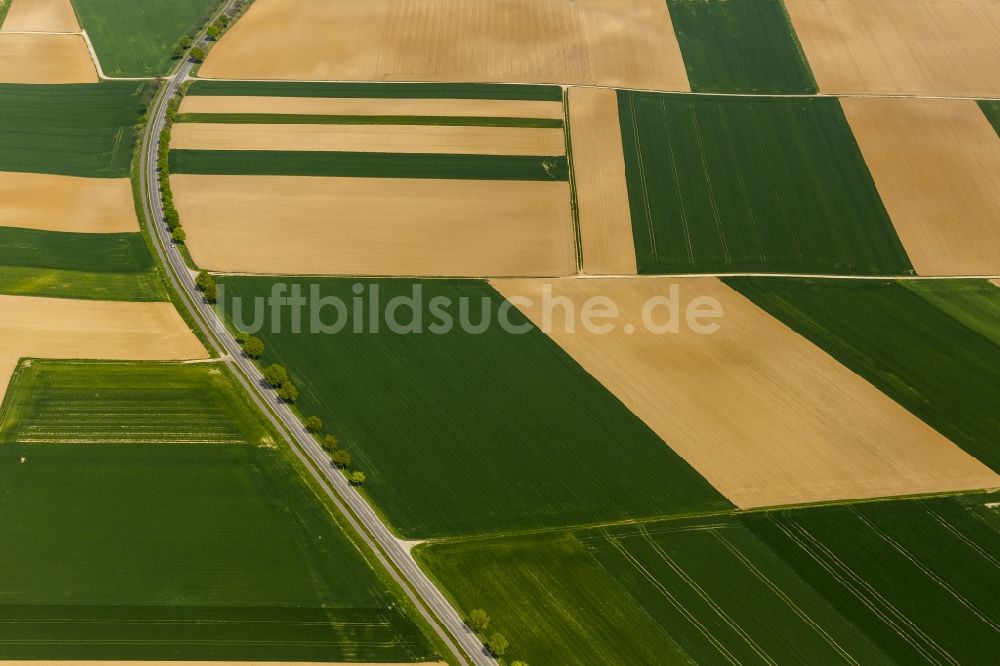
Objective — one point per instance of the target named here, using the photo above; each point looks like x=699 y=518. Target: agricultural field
x=936 y=362
x=936 y=163
x=723 y=184
x=882 y=583
x=485 y=432
x=740 y=46
x=740 y=402
x=913 y=47
x=148 y=513
x=992 y=111
x=66 y=203
x=71 y=265
x=41 y=58
x=627 y=43
x=73 y=130
x=135 y=39
x=388 y=92
x=39 y=16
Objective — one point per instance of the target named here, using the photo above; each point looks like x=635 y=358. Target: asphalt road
x=388 y=550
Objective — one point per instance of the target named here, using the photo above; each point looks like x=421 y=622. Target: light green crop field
x=378 y=90
x=134 y=39
x=463 y=432
x=147 y=513
x=76 y=130
x=880 y=583
x=728 y=184
x=932 y=361
x=368 y=165
x=92 y=266
x=740 y=46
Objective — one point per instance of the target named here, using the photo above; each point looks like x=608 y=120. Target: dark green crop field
x=724 y=184
x=992 y=111
x=302 y=119
x=148 y=514
x=136 y=38
x=881 y=583
x=368 y=165
x=69 y=265
x=926 y=358
x=975 y=303
x=76 y=130
x=461 y=432
x=379 y=90
x=740 y=46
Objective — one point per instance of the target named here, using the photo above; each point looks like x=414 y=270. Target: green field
x=136 y=38
x=368 y=165
x=744 y=46
x=154 y=517
x=934 y=361
x=378 y=90
x=302 y=119
x=464 y=433
x=992 y=111
x=724 y=184
x=876 y=583
x=70 y=265
x=76 y=130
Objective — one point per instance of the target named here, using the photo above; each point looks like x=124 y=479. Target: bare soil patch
x=41 y=16
x=376 y=226
x=601 y=192
x=73 y=329
x=370 y=138
x=766 y=416
x=930 y=47
x=66 y=203
x=43 y=58
x=628 y=43
x=936 y=164
x=356 y=106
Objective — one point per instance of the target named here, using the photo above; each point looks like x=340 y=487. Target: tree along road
x=396 y=559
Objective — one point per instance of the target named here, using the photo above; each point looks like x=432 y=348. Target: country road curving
x=390 y=551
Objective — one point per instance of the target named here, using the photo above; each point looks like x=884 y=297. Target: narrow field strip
x=98 y=253
x=756 y=428
x=458 y=121
x=45 y=58
x=40 y=16
x=376 y=226
x=369 y=165
x=601 y=190
x=936 y=164
x=370 y=106
x=387 y=93
x=368 y=138
x=84 y=285
x=66 y=203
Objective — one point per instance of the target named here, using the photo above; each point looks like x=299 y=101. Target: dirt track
x=370 y=138
x=628 y=43
x=937 y=167
x=601 y=192
x=376 y=226
x=66 y=203
x=358 y=106
x=767 y=417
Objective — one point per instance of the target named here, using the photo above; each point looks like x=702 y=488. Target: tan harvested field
x=766 y=416
x=629 y=43
x=41 y=58
x=601 y=193
x=359 y=106
x=376 y=226
x=937 y=166
x=66 y=328
x=66 y=203
x=928 y=47
x=370 y=138
x=41 y=16
x=996 y=282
